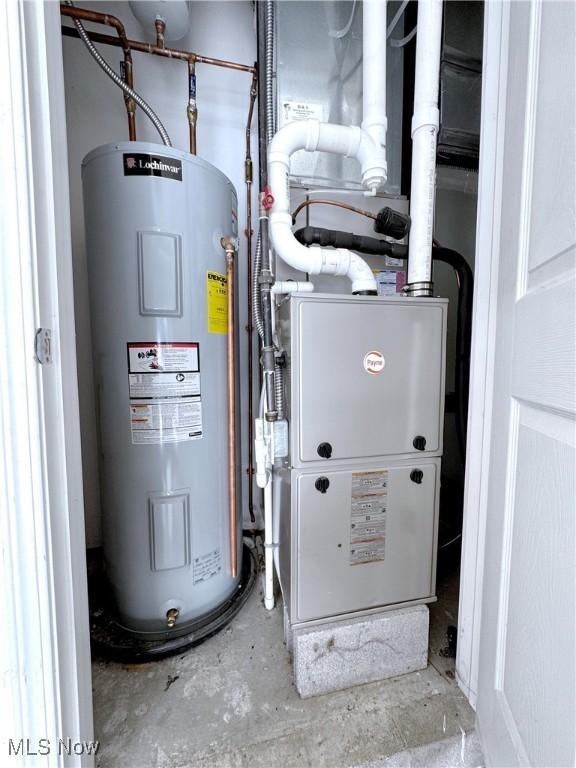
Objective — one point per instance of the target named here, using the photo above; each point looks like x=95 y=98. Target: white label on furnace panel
x=170 y=421
x=302 y=110
x=368 y=516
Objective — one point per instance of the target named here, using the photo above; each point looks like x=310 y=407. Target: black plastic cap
x=419 y=443
x=392 y=224
x=416 y=476
x=322 y=484
x=324 y=450
x=365 y=293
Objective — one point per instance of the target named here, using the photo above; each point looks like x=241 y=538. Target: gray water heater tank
x=154 y=218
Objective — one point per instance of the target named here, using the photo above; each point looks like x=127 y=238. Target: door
x=526 y=706
x=45 y=682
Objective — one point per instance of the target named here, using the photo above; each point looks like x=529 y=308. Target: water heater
x=154 y=219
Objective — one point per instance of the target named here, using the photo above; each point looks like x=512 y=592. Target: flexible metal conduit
x=270 y=110
x=256 y=306
x=266 y=124
x=103 y=64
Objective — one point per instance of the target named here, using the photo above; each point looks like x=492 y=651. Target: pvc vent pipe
x=366 y=144
x=424 y=134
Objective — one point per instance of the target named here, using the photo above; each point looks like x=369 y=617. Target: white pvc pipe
x=424 y=132
x=312 y=135
x=366 y=144
x=291 y=286
x=268 y=548
x=374 y=34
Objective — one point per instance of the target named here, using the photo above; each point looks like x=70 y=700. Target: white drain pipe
x=366 y=144
x=374 y=120
x=424 y=133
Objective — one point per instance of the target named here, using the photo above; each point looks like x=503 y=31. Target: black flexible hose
x=463 y=336
x=336 y=239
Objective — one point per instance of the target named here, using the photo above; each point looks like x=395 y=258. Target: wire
x=404 y=40
x=335 y=203
x=396 y=19
x=451 y=541
x=339 y=33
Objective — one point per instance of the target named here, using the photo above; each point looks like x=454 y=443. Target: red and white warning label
x=163 y=369
x=164 y=391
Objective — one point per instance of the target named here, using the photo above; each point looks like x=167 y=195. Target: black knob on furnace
x=322 y=484
x=419 y=443
x=325 y=450
x=416 y=476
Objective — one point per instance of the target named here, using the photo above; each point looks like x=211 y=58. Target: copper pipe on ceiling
x=230 y=249
x=136 y=45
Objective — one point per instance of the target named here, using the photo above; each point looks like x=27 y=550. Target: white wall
x=96 y=115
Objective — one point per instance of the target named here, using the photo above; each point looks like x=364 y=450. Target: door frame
x=44 y=636
x=487 y=258
x=55 y=585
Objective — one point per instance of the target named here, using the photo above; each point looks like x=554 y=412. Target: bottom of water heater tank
x=111 y=640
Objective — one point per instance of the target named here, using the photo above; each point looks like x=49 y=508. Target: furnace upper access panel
x=367 y=376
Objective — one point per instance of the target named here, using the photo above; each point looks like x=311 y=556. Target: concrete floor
x=231 y=702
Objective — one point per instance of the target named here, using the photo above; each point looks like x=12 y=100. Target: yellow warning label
x=217 y=301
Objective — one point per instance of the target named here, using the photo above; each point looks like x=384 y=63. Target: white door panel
x=526 y=703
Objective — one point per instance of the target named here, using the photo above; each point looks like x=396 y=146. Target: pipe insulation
x=425 y=123
x=103 y=64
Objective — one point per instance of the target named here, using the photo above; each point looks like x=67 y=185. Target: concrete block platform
x=342 y=654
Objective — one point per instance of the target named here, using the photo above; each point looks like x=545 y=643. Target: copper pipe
x=224 y=63
x=130 y=105
x=112 y=21
x=192 y=109
x=249 y=327
x=136 y=45
x=160 y=25
x=229 y=247
x=98 y=18
x=337 y=203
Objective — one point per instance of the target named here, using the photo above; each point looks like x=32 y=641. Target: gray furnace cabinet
x=356 y=501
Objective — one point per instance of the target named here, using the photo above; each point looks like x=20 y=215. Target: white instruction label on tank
x=368 y=516
x=167 y=421
x=158 y=370
x=207 y=566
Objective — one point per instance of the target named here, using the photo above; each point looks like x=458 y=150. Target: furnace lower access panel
x=360 y=539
